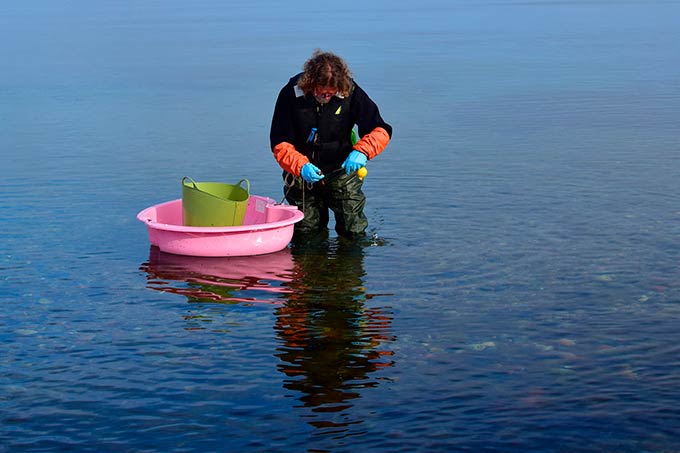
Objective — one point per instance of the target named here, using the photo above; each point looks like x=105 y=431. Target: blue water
x=519 y=289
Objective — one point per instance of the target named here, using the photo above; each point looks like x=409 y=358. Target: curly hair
x=325 y=69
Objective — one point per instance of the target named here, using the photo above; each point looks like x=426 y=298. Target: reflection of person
x=330 y=341
x=311 y=138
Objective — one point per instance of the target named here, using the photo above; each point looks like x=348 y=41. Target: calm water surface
x=519 y=289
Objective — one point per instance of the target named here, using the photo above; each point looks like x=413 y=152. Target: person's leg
x=311 y=202
x=347 y=201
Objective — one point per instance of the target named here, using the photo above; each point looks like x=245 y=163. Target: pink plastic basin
x=267 y=227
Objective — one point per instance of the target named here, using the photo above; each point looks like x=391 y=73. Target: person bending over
x=313 y=141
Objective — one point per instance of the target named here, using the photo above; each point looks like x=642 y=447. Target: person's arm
x=375 y=133
x=281 y=134
x=289 y=159
x=373 y=143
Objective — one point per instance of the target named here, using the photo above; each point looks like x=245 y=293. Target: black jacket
x=296 y=114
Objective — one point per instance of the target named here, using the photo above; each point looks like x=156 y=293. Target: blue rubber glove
x=354 y=161
x=311 y=173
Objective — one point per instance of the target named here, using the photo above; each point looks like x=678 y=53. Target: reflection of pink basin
x=249 y=279
x=267 y=227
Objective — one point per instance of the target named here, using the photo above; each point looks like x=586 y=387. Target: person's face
x=324 y=94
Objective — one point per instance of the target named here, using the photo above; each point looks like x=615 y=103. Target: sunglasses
x=325 y=93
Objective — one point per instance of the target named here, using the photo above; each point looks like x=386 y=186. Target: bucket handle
x=247 y=185
x=186 y=178
x=192 y=182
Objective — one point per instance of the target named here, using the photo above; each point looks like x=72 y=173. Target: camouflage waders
x=339 y=192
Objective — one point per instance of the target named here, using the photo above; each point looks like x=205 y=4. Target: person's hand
x=354 y=161
x=311 y=173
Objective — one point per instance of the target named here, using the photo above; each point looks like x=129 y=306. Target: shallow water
x=518 y=290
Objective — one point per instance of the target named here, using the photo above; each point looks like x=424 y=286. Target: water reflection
x=247 y=279
x=330 y=341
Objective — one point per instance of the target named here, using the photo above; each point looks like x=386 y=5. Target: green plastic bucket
x=214 y=203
